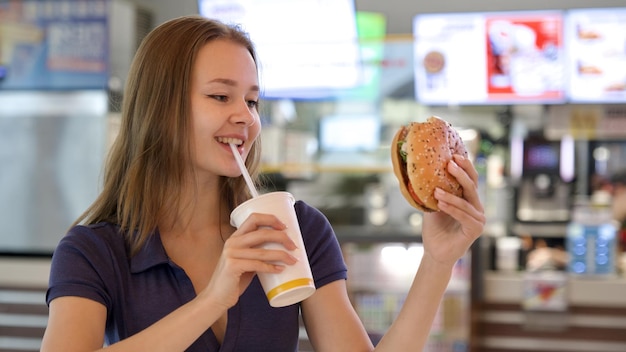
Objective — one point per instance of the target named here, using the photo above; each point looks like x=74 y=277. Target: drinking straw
x=244 y=171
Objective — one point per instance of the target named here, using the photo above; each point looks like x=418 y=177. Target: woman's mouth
x=229 y=140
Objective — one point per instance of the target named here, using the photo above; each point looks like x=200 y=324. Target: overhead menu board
x=489 y=58
x=596 y=43
x=53 y=44
x=305 y=48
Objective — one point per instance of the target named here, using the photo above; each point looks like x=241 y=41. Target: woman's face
x=224 y=98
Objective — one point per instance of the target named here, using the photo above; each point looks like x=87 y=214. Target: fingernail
x=291 y=245
x=439 y=191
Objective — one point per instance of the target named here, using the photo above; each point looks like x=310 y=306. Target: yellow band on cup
x=288 y=286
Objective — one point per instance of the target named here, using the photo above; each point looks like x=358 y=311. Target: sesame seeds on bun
x=420 y=155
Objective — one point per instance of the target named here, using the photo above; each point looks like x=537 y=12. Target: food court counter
x=543 y=312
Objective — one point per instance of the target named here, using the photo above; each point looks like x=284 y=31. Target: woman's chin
x=233 y=173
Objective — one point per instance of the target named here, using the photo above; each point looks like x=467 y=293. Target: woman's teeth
x=235 y=141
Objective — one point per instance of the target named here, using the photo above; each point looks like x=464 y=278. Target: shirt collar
x=151 y=254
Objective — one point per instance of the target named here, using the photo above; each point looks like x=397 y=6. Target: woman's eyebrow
x=232 y=83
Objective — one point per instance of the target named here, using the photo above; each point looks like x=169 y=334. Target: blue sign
x=591 y=248
x=54 y=44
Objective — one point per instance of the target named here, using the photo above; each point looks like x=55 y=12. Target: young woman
x=156 y=266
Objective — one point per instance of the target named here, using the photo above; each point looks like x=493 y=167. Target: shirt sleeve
x=323 y=250
x=81 y=265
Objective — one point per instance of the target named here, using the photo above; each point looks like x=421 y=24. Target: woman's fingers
x=461 y=205
x=256 y=220
x=244 y=255
x=262 y=242
x=463 y=170
x=466 y=210
x=263 y=228
x=260 y=254
x=467 y=165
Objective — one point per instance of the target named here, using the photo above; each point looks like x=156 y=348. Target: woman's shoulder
x=100 y=237
x=311 y=217
x=313 y=223
x=305 y=210
x=87 y=260
x=102 y=231
x=322 y=246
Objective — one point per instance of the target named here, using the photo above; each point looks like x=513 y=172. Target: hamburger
x=420 y=152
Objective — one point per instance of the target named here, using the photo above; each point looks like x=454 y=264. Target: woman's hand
x=243 y=256
x=449 y=233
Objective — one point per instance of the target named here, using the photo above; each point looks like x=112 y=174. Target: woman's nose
x=244 y=114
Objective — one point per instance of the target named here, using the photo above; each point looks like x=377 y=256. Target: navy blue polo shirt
x=92 y=262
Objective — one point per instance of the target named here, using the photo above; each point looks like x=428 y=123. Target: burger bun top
x=430 y=146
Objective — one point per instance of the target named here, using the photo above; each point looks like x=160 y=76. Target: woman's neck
x=200 y=209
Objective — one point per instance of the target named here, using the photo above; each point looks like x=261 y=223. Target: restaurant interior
x=536 y=90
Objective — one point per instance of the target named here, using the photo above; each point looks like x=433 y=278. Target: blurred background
x=537 y=90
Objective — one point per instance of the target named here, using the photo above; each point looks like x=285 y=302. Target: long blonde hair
x=146 y=167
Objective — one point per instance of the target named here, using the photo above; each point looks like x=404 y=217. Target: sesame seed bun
x=428 y=146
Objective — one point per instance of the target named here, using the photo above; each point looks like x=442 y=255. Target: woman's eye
x=253 y=103
x=219 y=97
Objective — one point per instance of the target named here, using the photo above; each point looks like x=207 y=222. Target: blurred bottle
x=592 y=237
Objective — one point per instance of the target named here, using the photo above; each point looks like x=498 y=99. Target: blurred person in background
x=618 y=184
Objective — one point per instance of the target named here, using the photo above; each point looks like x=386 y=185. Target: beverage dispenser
x=545 y=171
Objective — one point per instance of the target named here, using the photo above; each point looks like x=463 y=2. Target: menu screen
x=596 y=42
x=541 y=156
x=309 y=50
x=54 y=44
x=489 y=58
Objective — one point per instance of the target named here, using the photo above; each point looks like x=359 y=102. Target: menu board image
x=318 y=54
x=596 y=44
x=54 y=44
x=449 y=58
x=489 y=58
x=525 y=56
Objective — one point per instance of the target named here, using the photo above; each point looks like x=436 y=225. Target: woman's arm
x=333 y=325
x=447 y=235
x=331 y=322
x=410 y=330
x=74 y=324
x=78 y=324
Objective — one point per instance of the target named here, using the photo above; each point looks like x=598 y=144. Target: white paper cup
x=295 y=282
